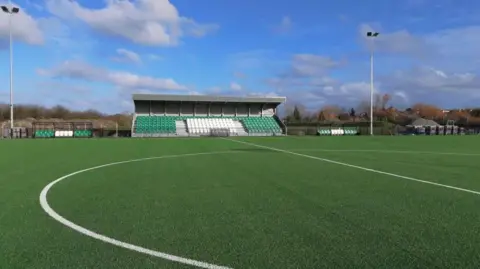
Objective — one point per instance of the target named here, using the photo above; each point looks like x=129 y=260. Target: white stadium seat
x=63 y=133
x=204 y=126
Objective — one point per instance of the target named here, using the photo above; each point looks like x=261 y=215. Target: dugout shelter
x=62 y=129
x=205 y=115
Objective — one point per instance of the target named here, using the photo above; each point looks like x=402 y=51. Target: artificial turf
x=245 y=207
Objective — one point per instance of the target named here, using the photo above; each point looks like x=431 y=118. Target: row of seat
x=324 y=131
x=206 y=125
x=62 y=133
x=82 y=133
x=155 y=124
x=261 y=125
x=44 y=133
x=166 y=124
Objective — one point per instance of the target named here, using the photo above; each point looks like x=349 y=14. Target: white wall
x=268 y=110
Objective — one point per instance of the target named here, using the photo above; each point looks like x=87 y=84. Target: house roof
x=423 y=122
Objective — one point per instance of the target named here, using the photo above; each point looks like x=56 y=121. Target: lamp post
x=372 y=36
x=10 y=10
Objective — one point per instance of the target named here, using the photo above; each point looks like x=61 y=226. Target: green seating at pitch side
x=350 y=130
x=346 y=131
x=166 y=124
x=324 y=131
x=82 y=133
x=44 y=133
x=261 y=124
x=156 y=124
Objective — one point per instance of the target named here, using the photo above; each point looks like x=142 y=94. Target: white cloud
x=252 y=59
x=428 y=79
x=239 y=75
x=31 y=3
x=307 y=65
x=457 y=43
x=154 y=57
x=24 y=28
x=307 y=80
x=285 y=25
x=445 y=63
x=356 y=89
x=398 y=42
x=306 y=71
x=402 y=96
x=457 y=46
x=263 y=94
x=127 y=56
x=441 y=66
x=235 y=87
x=343 y=18
x=123 y=80
x=146 y=22
x=214 y=90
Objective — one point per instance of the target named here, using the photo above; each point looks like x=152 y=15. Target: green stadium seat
x=82 y=133
x=351 y=130
x=166 y=124
x=156 y=124
x=261 y=125
x=323 y=131
x=44 y=133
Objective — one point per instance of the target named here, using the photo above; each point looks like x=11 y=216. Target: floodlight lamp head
x=372 y=34
x=15 y=10
x=5 y=9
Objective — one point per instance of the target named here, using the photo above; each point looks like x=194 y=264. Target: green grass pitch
x=244 y=207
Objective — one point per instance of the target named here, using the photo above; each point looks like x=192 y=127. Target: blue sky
x=94 y=54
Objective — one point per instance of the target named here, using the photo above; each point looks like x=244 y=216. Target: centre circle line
x=52 y=213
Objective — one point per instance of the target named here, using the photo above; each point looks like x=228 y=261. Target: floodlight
x=13 y=10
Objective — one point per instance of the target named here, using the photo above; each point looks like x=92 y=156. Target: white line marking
x=355 y=166
x=46 y=207
x=388 y=151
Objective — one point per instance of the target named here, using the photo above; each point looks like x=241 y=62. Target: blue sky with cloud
x=95 y=54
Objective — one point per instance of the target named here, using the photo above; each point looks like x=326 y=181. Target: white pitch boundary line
x=389 y=151
x=46 y=207
x=355 y=166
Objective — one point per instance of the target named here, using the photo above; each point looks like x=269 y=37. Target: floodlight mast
x=10 y=10
x=372 y=36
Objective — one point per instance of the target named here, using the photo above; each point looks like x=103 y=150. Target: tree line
x=382 y=111
x=32 y=113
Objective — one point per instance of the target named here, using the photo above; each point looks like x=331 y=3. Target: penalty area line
x=355 y=166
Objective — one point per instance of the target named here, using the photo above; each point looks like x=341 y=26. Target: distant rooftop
x=207 y=98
